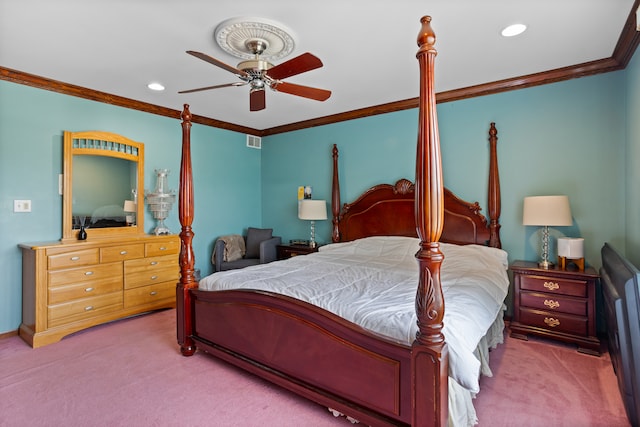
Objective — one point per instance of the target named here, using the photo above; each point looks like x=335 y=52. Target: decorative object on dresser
x=312 y=210
x=291 y=250
x=67 y=287
x=546 y=211
x=571 y=252
x=555 y=303
x=160 y=201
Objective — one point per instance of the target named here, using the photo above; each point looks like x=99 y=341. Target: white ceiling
x=367 y=46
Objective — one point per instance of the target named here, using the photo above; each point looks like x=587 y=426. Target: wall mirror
x=103 y=190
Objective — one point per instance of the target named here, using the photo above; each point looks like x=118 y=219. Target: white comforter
x=372 y=282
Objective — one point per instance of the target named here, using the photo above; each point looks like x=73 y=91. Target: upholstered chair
x=258 y=246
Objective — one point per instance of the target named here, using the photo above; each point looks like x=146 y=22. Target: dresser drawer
x=577 y=288
x=86 y=274
x=121 y=253
x=556 y=322
x=153 y=294
x=150 y=264
x=554 y=303
x=144 y=278
x=105 y=285
x=61 y=314
x=165 y=247
x=60 y=258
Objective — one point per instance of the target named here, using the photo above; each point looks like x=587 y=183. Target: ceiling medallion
x=233 y=35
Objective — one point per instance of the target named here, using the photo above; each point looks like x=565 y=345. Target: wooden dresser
x=67 y=287
x=556 y=304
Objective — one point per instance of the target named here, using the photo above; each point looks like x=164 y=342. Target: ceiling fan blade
x=257 y=100
x=217 y=63
x=299 y=64
x=304 y=91
x=213 y=87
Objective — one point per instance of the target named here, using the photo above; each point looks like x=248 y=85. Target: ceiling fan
x=260 y=74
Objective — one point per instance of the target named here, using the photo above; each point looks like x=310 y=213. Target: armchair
x=259 y=248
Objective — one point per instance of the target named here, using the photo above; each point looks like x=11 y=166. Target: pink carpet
x=130 y=373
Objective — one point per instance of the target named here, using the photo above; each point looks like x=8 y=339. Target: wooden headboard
x=389 y=210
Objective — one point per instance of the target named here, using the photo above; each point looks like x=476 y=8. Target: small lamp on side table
x=312 y=210
x=546 y=211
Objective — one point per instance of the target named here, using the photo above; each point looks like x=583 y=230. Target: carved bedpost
x=187 y=259
x=429 y=351
x=335 y=197
x=494 y=189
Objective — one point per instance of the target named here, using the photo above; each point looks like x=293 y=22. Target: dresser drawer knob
x=552 y=286
x=154 y=277
x=88 y=289
x=551 y=303
x=123 y=252
x=153 y=293
x=88 y=308
x=154 y=262
x=551 y=322
x=88 y=273
x=162 y=248
x=75 y=258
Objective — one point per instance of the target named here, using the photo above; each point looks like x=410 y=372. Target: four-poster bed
x=319 y=355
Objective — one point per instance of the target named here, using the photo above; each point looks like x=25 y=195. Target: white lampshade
x=547 y=210
x=312 y=209
x=571 y=247
x=129 y=206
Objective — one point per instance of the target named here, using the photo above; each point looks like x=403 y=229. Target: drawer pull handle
x=153 y=293
x=88 y=308
x=552 y=286
x=88 y=273
x=154 y=262
x=162 y=248
x=88 y=290
x=123 y=252
x=551 y=303
x=551 y=322
x=154 y=277
x=75 y=258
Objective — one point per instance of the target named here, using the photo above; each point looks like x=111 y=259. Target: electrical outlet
x=22 y=205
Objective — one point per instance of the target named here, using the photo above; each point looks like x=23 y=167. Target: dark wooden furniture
x=556 y=304
x=288 y=251
x=317 y=354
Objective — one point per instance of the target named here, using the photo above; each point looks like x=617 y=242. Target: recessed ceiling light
x=155 y=86
x=514 y=30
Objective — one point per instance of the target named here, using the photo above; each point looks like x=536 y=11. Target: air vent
x=254 y=141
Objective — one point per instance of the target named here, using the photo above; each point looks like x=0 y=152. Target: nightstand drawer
x=576 y=288
x=556 y=322
x=554 y=303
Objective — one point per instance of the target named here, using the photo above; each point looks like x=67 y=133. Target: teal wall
x=632 y=156
x=565 y=138
x=32 y=121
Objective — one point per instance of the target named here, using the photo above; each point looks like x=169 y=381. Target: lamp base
x=564 y=263
x=546 y=264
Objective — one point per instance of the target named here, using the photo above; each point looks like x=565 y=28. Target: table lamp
x=546 y=211
x=312 y=210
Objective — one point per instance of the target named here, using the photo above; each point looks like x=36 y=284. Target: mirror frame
x=98 y=143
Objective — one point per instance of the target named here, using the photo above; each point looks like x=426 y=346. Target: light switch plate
x=22 y=205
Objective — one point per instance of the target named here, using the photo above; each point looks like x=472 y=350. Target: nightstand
x=288 y=251
x=555 y=303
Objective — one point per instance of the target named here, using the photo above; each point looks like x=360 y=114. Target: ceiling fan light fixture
x=513 y=30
